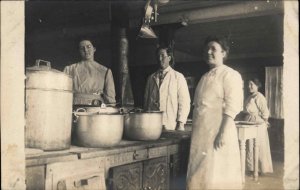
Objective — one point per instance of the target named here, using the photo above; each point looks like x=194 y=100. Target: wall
x=276 y=137
x=142 y=63
x=12 y=96
x=63 y=50
x=52 y=31
x=291 y=95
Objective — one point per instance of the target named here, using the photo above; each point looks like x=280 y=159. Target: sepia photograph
x=149 y=95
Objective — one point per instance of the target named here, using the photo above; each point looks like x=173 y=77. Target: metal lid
x=46 y=78
x=47 y=67
x=39 y=67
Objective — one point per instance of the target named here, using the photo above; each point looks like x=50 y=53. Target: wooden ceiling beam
x=218 y=13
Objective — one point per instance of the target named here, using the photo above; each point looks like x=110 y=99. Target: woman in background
x=214 y=161
x=257 y=111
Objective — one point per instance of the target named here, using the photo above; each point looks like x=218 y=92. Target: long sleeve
x=109 y=89
x=233 y=94
x=183 y=100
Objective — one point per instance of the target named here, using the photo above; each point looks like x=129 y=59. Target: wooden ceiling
x=258 y=35
x=248 y=37
x=49 y=14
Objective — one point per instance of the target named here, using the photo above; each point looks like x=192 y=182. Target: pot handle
x=97 y=102
x=126 y=111
x=75 y=113
x=133 y=110
x=38 y=61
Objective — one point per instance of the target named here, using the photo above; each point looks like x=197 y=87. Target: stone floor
x=270 y=181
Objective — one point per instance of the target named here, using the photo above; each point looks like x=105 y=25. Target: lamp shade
x=146 y=32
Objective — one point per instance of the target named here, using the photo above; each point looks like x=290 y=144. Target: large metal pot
x=48 y=108
x=94 y=129
x=143 y=125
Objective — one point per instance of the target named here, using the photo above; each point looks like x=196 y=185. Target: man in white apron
x=167 y=91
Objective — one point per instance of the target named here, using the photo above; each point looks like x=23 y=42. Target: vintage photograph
x=149 y=94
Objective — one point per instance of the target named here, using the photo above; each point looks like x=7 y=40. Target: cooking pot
x=143 y=125
x=48 y=108
x=96 y=129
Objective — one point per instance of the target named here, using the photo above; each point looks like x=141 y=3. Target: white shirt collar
x=166 y=70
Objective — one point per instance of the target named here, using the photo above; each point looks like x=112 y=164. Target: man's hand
x=179 y=126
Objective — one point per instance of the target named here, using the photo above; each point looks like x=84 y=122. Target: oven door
x=75 y=175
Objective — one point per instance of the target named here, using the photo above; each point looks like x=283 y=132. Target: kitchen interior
x=159 y=160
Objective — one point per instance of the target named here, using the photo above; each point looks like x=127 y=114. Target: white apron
x=209 y=168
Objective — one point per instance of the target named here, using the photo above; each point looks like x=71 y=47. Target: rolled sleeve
x=233 y=94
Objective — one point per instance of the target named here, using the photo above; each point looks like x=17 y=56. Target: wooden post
x=126 y=90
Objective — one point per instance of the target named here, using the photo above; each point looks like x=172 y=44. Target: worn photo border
x=13 y=88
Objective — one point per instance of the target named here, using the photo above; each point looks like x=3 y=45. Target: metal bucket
x=48 y=108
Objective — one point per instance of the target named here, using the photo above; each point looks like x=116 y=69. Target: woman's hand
x=219 y=140
x=267 y=122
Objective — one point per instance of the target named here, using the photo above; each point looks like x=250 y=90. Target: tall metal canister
x=48 y=111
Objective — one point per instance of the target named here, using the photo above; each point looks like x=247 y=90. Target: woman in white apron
x=214 y=161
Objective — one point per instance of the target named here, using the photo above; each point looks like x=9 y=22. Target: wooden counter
x=128 y=165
